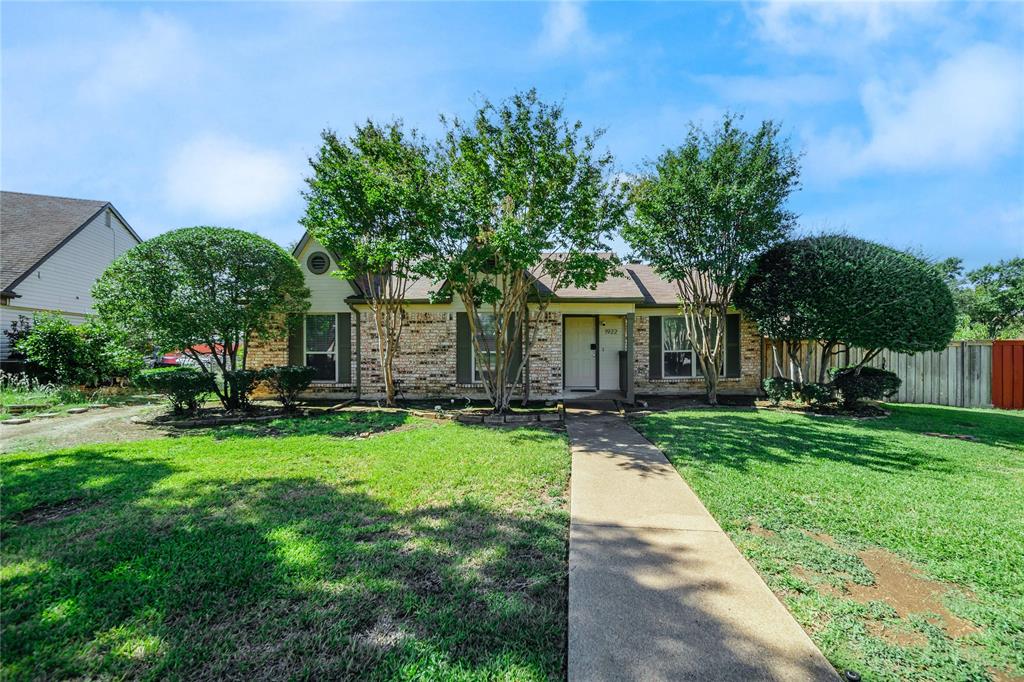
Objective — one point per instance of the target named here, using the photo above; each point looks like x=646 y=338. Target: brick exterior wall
x=425 y=361
x=267 y=353
x=748 y=382
x=274 y=353
x=545 y=359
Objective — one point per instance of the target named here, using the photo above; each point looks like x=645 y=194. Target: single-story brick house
x=623 y=338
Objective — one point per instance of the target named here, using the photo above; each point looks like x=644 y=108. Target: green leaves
x=714 y=203
x=517 y=183
x=369 y=200
x=851 y=291
x=202 y=285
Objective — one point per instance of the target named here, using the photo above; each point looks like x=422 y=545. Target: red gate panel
x=1008 y=374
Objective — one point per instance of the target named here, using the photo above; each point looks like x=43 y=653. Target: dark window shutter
x=296 y=353
x=344 y=348
x=517 y=355
x=732 y=345
x=463 y=350
x=654 y=346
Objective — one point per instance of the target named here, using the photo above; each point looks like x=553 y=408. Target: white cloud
x=834 y=27
x=777 y=91
x=564 y=28
x=224 y=179
x=969 y=110
x=159 y=51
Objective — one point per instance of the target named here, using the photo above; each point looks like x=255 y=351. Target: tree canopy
x=370 y=203
x=841 y=290
x=524 y=194
x=203 y=285
x=704 y=212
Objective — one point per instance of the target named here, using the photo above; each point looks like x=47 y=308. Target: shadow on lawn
x=339 y=425
x=737 y=440
x=271 y=579
x=992 y=427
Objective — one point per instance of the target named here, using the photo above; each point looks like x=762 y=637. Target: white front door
x=580 y=353
x=612 y=339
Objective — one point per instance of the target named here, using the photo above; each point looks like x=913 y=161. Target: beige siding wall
x=63 y=283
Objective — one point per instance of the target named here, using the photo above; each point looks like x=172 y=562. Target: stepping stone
x=19 y=408
x=99 y=406
x=47 y=415
x=15 y=422
x=78 y=410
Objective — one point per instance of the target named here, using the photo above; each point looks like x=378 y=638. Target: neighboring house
x=52 y=250
x=624 y=338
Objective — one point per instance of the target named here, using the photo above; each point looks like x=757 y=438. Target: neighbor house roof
x=34 y=226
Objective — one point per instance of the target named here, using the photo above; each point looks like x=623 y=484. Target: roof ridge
x=55 y=196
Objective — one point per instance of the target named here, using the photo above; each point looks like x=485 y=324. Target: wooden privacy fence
x=961 y=375
x=1008 y=374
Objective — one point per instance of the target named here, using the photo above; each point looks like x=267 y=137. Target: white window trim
x=337 y=355
x=693 y=356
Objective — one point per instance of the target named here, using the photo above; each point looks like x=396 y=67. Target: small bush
x=816 y=394
x=871 y=383
x=778 y=389
x=288 y=381
x=242 y=382
x=183 y=386
x=90 y=354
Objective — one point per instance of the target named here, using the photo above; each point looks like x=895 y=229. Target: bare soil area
x=111 y=425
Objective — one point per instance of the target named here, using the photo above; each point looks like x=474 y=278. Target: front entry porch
x=597 y=357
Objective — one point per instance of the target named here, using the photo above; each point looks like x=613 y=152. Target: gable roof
x=34 y=226
x=634 y=283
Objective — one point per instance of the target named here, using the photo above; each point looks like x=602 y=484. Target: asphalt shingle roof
x=33 y=225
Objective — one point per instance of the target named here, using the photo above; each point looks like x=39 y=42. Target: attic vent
x=318 y=262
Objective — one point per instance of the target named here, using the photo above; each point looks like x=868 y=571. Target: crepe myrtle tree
x=524 y=197
x=841 y=291
x=369 y=201
x=204 y=285
x=703 y=213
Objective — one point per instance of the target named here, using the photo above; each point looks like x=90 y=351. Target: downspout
x=630 y=359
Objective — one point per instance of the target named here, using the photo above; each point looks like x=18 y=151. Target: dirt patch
x=815 y=580
x=957 y=436
x=894 y=636
x=112 y=425
x=46 y=512
x=823 y=538
x=759 y=530
x=903 y=588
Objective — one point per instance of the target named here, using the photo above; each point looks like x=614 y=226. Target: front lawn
x=331 y=548
x=901 y=553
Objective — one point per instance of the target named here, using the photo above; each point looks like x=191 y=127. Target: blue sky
x=910 y=116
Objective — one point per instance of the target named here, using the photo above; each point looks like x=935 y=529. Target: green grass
x=953 y=508
x=58 y=399
x=435 y=551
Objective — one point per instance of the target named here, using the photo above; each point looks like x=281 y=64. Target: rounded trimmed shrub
x=183 y=386
x=816 y=394
x=288 y=381
x=870 y=383
x=778 y=389
x=851 y=291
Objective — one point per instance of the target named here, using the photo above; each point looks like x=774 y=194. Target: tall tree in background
x=996 y=299
x=527 y=199
x=369 y=203
x=704 y=213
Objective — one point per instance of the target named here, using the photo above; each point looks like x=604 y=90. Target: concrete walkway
x=657 y=591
